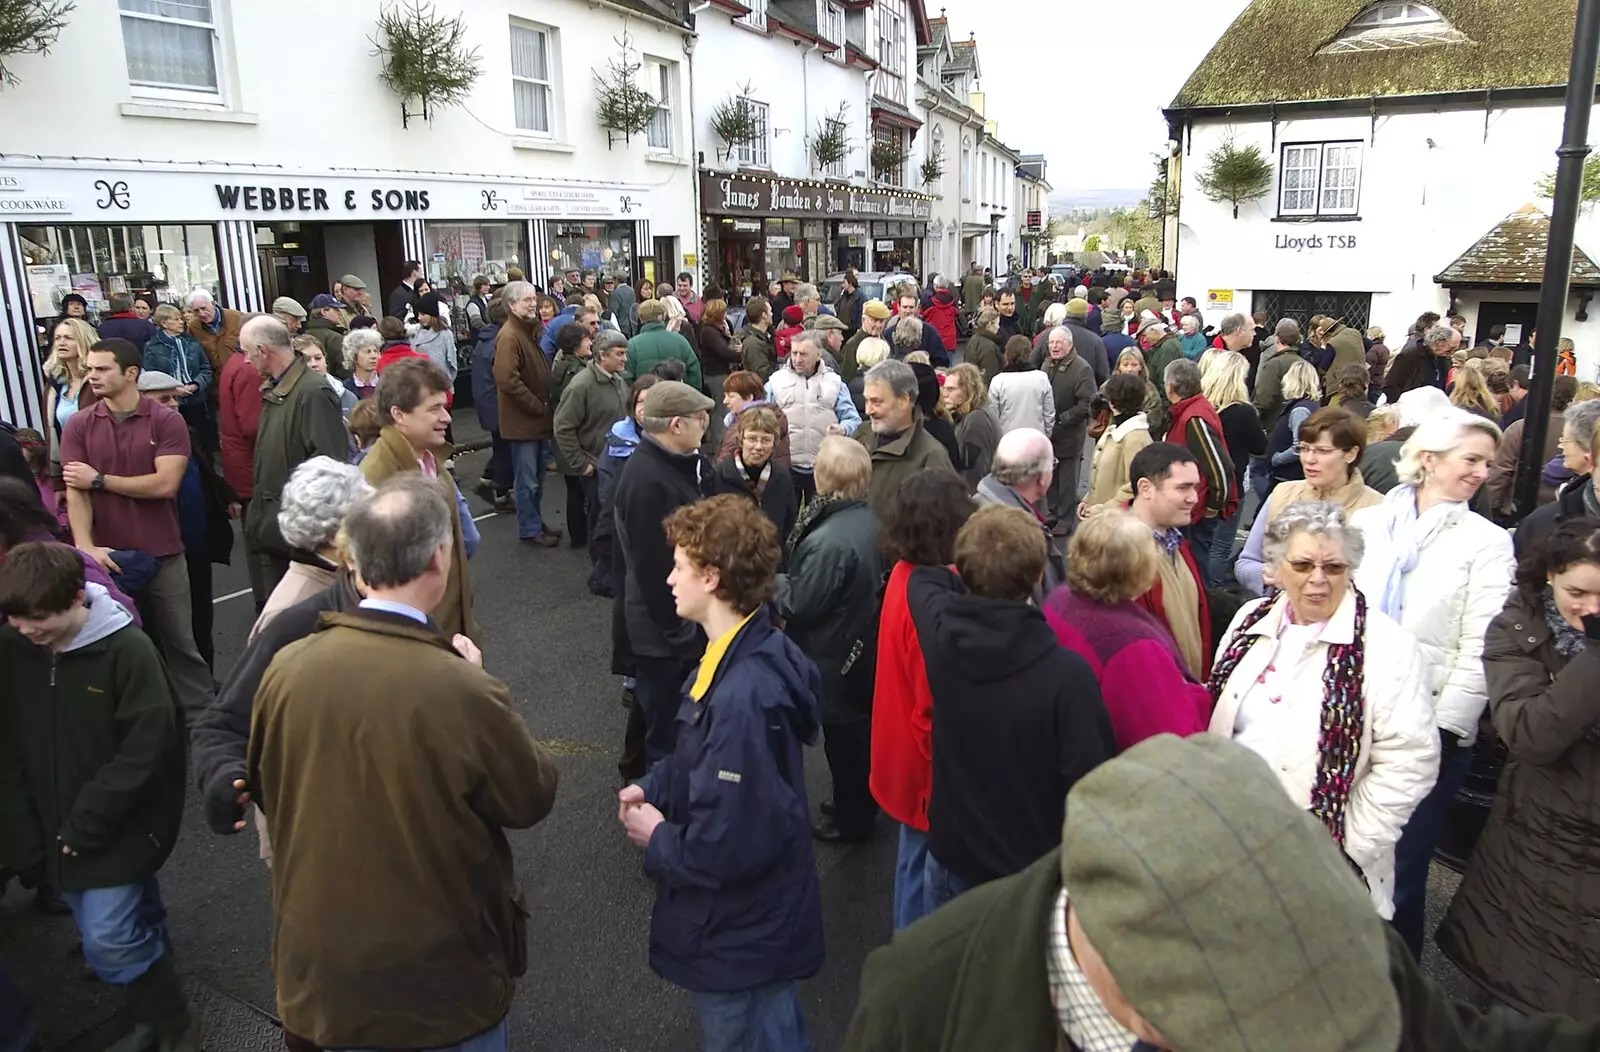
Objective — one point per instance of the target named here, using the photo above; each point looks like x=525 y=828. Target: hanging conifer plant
x=29 y=27
x=425 y=57
x=1235 y=175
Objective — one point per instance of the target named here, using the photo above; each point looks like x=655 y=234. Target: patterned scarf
x=1343 y=711
x=1568 y=640
x=1170 y=541
x=814 y=509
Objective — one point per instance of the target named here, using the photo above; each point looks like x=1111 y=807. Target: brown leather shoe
x=543 y=540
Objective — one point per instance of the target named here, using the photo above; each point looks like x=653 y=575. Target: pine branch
x=29 y=27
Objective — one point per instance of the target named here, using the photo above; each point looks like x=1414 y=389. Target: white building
x=797 y=71
x=251 y=149
x=1406 y=155
x=1032 y=196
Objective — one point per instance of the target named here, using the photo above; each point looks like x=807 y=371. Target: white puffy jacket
x=1460 y=583
x=1023 y=399
x=1399 y=758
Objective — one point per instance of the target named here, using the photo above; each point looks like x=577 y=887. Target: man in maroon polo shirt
x=123 y=461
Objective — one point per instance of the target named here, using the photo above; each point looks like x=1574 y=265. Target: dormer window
x=1391 y=25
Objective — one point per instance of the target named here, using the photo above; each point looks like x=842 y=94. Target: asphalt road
x=588 y=986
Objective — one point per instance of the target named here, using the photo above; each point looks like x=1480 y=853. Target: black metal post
x=1553 y=291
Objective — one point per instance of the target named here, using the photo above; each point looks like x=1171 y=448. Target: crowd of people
x=997 y=583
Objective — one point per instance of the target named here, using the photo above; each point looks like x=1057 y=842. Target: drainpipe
x=1554 y=289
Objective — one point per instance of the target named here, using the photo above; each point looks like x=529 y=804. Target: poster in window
x=47 y=284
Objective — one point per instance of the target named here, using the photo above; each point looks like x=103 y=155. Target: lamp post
x=1574 y=150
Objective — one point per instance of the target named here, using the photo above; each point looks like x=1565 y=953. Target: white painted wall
x=1432 y=183
x=309 y=98
x=348 y=248
x=800 y=86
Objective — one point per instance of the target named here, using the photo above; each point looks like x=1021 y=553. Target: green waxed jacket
x=654 y=344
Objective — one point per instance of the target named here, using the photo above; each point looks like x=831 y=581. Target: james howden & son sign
x=783 y=198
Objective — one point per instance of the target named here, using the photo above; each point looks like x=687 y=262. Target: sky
x=1030 y=77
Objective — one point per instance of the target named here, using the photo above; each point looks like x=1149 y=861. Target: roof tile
x=1512 y=253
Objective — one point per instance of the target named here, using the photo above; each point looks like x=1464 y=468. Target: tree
x=1546 y=187
x=623 y=107
x=425 y=56
x=1091 y=243
x=29 y=27
x=1235 y=175
x=1161 y=201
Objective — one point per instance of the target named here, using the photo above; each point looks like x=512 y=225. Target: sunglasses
x=1304 y=568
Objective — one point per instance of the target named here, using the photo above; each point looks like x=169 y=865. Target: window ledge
x=545 y=145
x=1315 y=219
x=186 y=113
x=666 y=158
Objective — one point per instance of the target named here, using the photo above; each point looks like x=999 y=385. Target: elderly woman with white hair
x=1443 y=572
x=314 y=503
x=361 y=350
x=1331 y=692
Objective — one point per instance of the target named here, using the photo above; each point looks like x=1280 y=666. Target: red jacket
x=782 y=337
x=941 y=314
x=902 y=712
x=239 y=417
x=393 y=352
x=1211 y=450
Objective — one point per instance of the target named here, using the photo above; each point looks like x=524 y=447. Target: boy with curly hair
x=723 y=819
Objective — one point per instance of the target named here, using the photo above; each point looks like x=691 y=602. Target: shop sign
x=788 y=198
x=747 y=226
x=883 y=246
x=144 y=195
x=778 y=241
x=16 y=198
x=847 y=229
x=1313 y=243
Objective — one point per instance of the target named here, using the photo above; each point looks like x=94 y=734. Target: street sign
x=1219 y=299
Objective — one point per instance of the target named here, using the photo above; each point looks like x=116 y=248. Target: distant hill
x=1066 y=200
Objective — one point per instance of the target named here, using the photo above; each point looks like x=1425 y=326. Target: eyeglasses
x=1305 y=567
x=1320 y=452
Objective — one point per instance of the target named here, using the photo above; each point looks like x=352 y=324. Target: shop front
x=248 y=235
x=756 y=230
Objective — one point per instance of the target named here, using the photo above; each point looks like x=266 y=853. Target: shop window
x=604 y=248
x=533 y=90
x=459 y=252
x=756 y=18
x=171 y=48
x=160 y=263
x=785 y=245
x=754 y=153
x=658 y=78
x=1350 y=308
x=1318 y=178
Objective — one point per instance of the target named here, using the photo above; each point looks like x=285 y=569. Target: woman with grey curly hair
x=313 y=507
x=361 y=350
x=1331 y=692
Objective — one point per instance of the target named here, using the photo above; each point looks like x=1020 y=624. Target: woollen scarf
x=1408 y=534
x=1344 y=708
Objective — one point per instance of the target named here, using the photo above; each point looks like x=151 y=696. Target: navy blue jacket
x=136 y=330
x=738 y=904
x=485 y=396
x=569 y=314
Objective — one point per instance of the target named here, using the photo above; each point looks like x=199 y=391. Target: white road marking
x=486 y=515
x=230 y=595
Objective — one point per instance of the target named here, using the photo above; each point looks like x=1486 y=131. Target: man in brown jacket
x=388 y=766
x=411 y=403
x=215 y=329
x=522 y=379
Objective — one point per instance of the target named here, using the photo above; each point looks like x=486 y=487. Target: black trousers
x=653 y=717
x=848 y=747
x=577 y=511
x=497 y=469
x=201 y=609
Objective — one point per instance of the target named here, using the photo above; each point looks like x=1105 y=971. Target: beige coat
x=1113 y=457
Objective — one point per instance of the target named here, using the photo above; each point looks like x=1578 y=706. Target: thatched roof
x=1269 y=54
x=1512 y=253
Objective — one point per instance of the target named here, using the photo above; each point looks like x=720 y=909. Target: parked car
x=873 y=284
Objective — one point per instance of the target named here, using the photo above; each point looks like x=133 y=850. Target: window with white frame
x=831 y=19
x=171 y=47
x=658 y=78
x=966 y=168
x=533 y=90
x=757 y=15
x=892 y=36
x=754 y=152
x=839 y=129
x=1319 y=179
x=894 y=138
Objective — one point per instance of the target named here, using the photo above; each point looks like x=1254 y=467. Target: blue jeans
x=943 y=885
x=910 y=878
x=1201 y=535
x=124 y=929
x=1414 y=852
x=1221 y=554
x=766 y=1019
x=491 y=1040
x=527 y=465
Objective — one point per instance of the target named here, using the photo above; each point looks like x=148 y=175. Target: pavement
x=589 y=985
